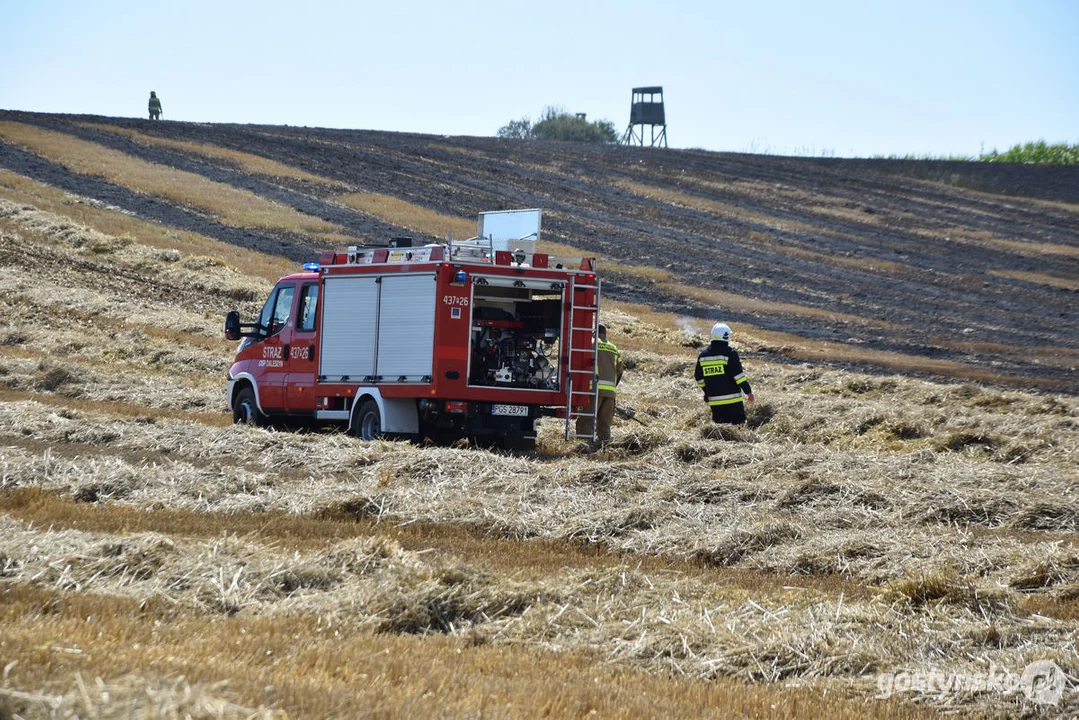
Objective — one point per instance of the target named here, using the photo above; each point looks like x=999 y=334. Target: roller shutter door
x=349 y=317
x=406 y=327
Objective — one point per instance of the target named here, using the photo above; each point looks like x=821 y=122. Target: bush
x=557 y=124
x=1037 y=152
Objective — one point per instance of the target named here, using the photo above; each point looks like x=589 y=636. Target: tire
x=519 y=444
x=485 y=442
x=245 y=411
x=368 y=422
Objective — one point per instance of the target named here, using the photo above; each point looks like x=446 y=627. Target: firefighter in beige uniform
x=154 y=106
x=609 y=369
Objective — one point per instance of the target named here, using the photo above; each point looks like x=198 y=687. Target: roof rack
x=475 y=247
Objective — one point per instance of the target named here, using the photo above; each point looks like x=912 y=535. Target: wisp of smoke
x=688 y=326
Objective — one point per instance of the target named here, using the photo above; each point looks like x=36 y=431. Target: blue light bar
x=311 y=267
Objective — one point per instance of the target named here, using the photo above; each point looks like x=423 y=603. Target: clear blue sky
x=847 y=78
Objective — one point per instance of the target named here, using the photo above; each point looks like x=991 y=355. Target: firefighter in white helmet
x=719 y=374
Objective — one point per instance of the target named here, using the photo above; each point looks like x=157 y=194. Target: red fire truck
x=444 y=341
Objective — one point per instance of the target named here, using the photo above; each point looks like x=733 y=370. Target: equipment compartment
x=514 y=337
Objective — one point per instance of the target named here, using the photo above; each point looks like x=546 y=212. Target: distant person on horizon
x=155 y=106
x=719 y=374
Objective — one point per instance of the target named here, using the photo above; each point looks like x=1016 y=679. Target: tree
x=516 y=129
x=557 y=124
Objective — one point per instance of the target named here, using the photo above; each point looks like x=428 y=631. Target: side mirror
x=232 y=326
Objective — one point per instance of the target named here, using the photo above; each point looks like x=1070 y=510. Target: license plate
x=511 y=410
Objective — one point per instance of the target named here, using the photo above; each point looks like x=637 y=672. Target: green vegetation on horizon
x=557 y=124
x=1040 y=152
x=1035 y=153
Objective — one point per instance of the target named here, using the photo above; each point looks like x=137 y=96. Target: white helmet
x=720 y=331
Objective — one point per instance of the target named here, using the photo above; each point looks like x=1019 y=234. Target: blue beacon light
x=311 y=267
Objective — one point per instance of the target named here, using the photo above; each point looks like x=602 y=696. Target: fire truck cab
x=440 y=342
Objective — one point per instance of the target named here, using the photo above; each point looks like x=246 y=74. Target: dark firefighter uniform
x=719 y=373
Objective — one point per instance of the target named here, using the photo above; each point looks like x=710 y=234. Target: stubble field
x=156 y=559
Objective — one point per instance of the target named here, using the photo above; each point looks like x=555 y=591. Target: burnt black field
x=912 y=257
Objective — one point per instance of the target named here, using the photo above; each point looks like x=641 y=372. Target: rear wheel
x=519 y=444
x=486 y=442
x=367 y=424
x=245 y=411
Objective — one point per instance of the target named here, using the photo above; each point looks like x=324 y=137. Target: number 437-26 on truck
x=475 y=339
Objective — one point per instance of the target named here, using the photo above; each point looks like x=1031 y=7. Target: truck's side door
x=276 y=318
x=300 y=382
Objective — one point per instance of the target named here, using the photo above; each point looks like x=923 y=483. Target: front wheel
x=367 y=424
x=245 y=411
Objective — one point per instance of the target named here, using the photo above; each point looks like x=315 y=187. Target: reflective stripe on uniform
x=607 y=366
x=714 y=366
x=740 y=378
x=724 y=399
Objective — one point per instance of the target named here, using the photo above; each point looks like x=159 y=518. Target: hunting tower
x=646 y=108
